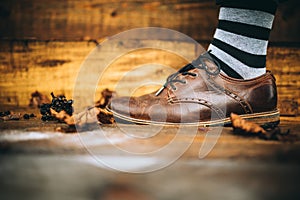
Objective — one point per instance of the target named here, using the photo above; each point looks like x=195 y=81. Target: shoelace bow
x=198 y=63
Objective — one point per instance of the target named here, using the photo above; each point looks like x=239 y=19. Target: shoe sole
x=266 y=119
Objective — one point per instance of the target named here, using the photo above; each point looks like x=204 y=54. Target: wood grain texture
x=86 y=19
x=54 y=66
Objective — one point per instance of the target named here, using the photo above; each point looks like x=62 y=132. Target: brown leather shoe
x=198 y=94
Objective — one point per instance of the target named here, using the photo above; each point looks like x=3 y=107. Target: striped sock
x=241 y=38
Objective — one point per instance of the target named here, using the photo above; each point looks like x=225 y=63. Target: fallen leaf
x=240 y=124
x=247 y=128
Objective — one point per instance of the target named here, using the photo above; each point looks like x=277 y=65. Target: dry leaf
x=63 y=117
x=106 y=96
x=246 y=128
x=239 y=124
x=37 y=99
x=89 y=116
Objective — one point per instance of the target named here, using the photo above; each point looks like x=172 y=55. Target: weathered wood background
x=76 y=20
x=43 y=43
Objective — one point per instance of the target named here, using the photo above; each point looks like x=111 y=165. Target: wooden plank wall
x=93 y=19
x=43 y=43
x=53 y=66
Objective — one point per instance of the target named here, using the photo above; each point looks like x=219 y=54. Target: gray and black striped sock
x=241 y=38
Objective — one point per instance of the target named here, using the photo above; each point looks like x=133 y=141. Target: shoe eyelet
x=195 y=75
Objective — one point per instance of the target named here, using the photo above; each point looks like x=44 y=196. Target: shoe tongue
x=207 y=63
x=211 y=67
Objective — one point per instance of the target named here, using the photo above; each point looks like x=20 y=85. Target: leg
x=241 y=38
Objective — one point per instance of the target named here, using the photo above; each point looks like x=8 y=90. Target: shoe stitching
x=245 y=105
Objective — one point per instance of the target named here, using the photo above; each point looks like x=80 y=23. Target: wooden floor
x=117 y=162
